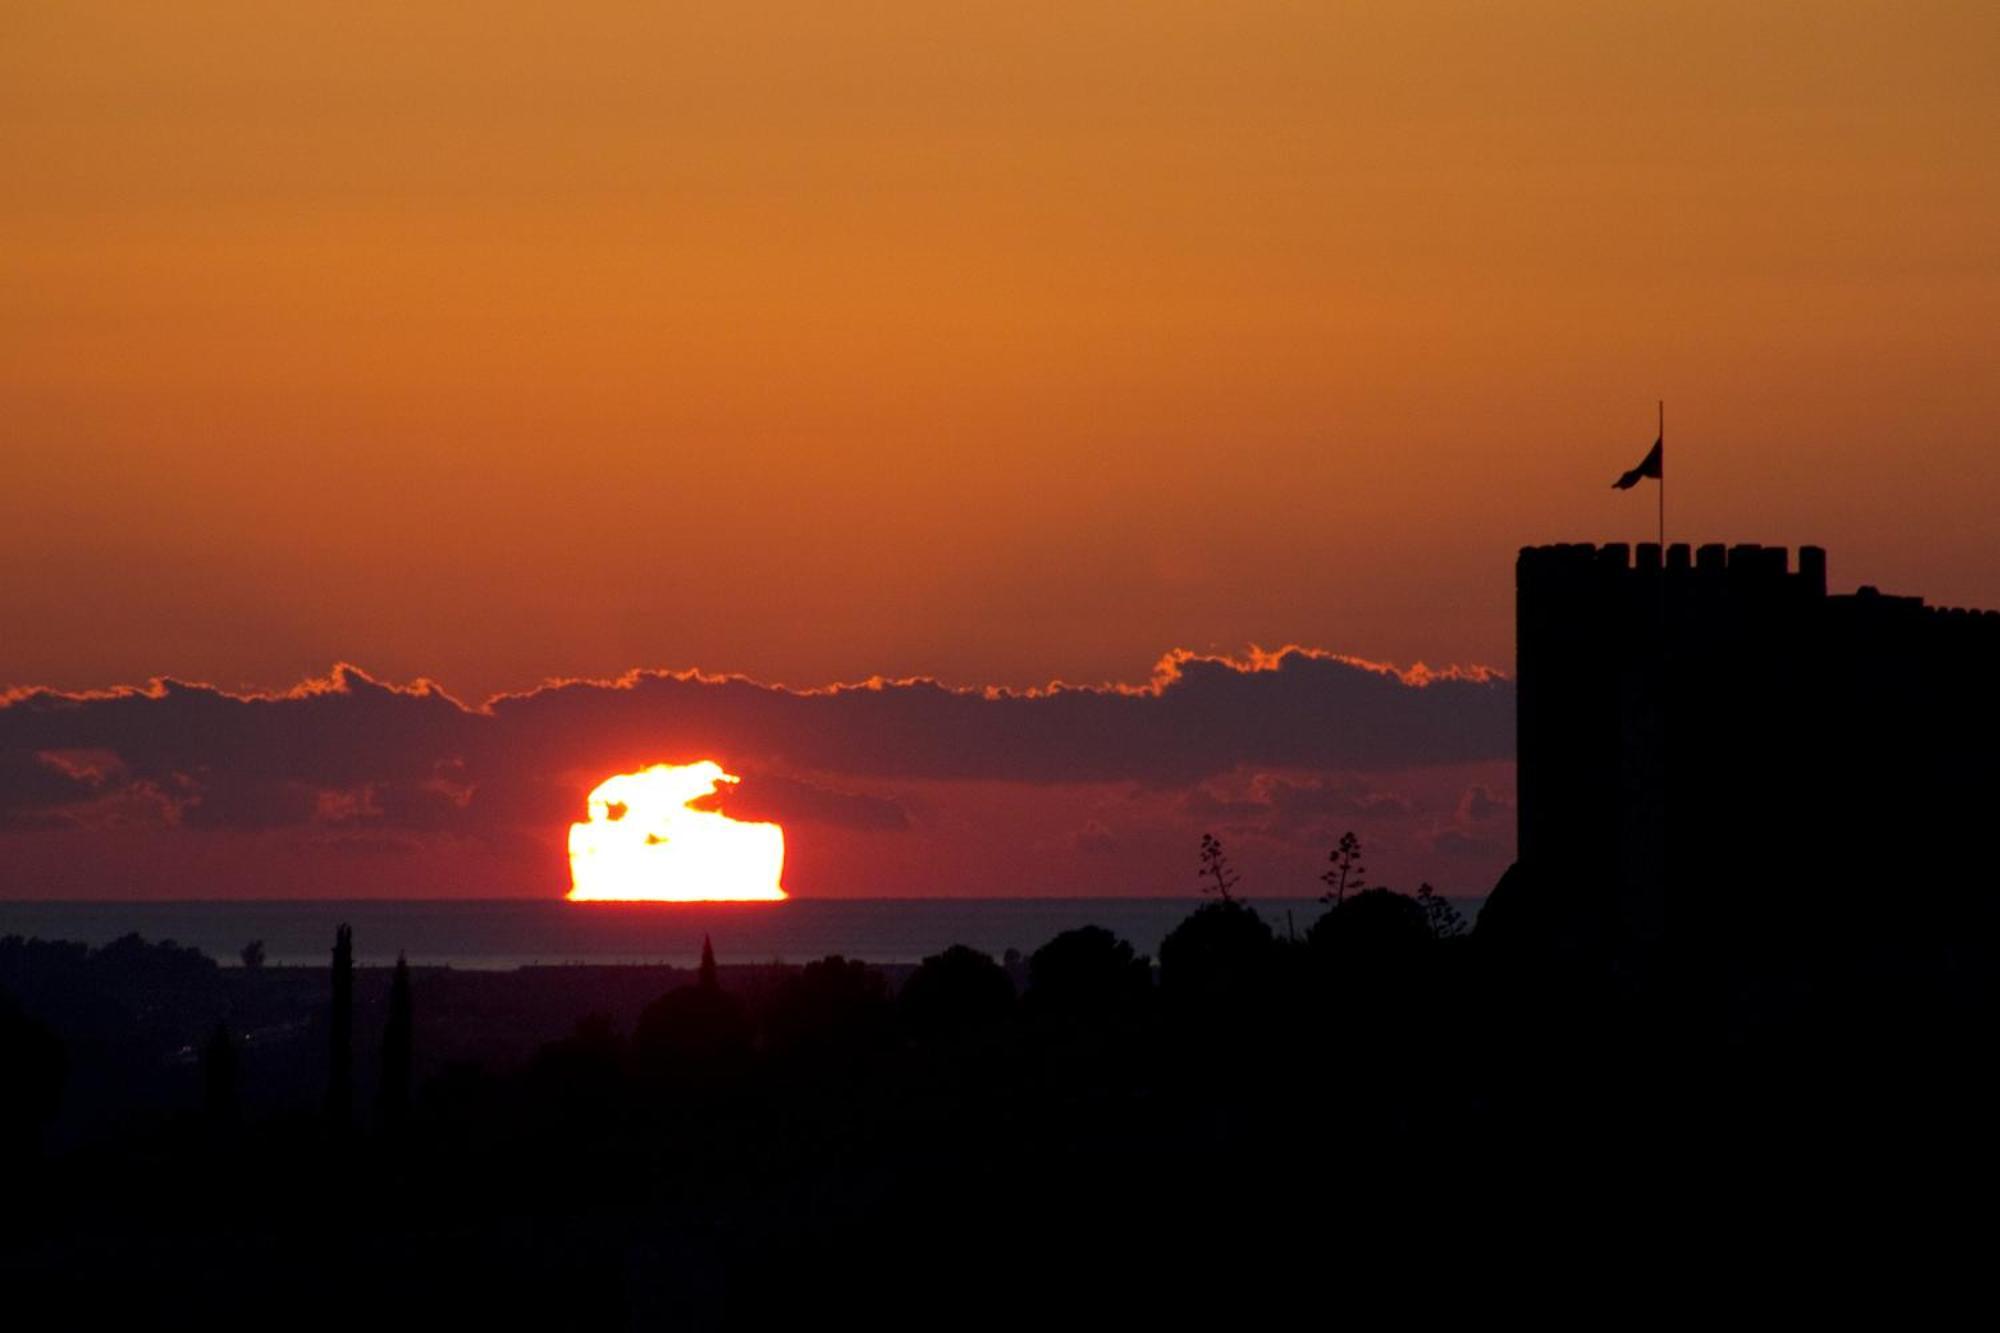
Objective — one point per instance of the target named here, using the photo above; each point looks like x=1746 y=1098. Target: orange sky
x=996 y=341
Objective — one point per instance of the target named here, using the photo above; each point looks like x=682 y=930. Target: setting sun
x=645 y=841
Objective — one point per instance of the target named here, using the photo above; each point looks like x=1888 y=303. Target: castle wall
x=1712 y=747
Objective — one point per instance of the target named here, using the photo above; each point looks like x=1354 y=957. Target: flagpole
x=1665 y=666
x=1663 y=478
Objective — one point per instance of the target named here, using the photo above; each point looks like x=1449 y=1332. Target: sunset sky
x=999 y=344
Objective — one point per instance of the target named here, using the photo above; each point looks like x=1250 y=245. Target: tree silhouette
x=1375 y=927
x=1220 y=954
x=1347 y=874
x=695 y=1034
x=340 y=1034
x=1087 y=973
x=33 y=1068
x=1216 y=869
x=1445 y=921
x=253 y=955
x=957 y=991
x=397 y=1050
x=580 y=1076
x=832 y=1005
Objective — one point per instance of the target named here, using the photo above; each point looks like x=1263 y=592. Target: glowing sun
x=645 y=842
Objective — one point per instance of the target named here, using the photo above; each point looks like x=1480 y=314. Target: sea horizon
x=501 y=933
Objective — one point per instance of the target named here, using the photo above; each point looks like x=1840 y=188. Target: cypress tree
x=340 y=1028
x=397 y=1041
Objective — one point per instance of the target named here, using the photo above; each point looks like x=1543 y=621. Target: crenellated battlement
x=1746 y=566
x=1746 y=571
x=1689 y=707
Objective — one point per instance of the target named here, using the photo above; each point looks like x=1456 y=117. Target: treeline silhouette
x=1382 y=1099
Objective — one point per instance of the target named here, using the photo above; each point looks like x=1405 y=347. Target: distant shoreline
x=511 y=933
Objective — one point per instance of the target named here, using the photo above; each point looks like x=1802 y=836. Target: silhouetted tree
x=955 y=992
x=1347 y=874
x=1445 y=921
x=698 y=1033
x=579 y=1076
x=219 y=1073
x=1215 y=868
x=253 y=955
x=1374 y=928
x=1016 y=967
x=832 y=1004
x=1087 y=973
x=128 y=963
x=340 y=1033
x=32 y=1071
x=398 y=1040
x=1221 y=953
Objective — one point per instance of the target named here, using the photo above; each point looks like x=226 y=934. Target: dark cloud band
x=351 y=751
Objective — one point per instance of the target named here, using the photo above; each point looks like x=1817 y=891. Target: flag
x=1654 y=466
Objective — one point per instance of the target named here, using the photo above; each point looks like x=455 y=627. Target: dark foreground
x=1377 y=1112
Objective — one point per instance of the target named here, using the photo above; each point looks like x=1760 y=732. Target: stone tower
x=1715 y=754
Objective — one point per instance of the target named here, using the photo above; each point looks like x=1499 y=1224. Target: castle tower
x=1714 y=752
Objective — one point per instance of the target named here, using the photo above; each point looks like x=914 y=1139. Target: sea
x=512 y=933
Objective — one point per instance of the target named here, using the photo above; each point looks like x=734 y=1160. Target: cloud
x=363 y=758
x=1094 y=839
x=1294 y=807
x=1197 y=716
x=33 y=784
x=1459 y=844
x=781 y=800
x=1480 y=806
